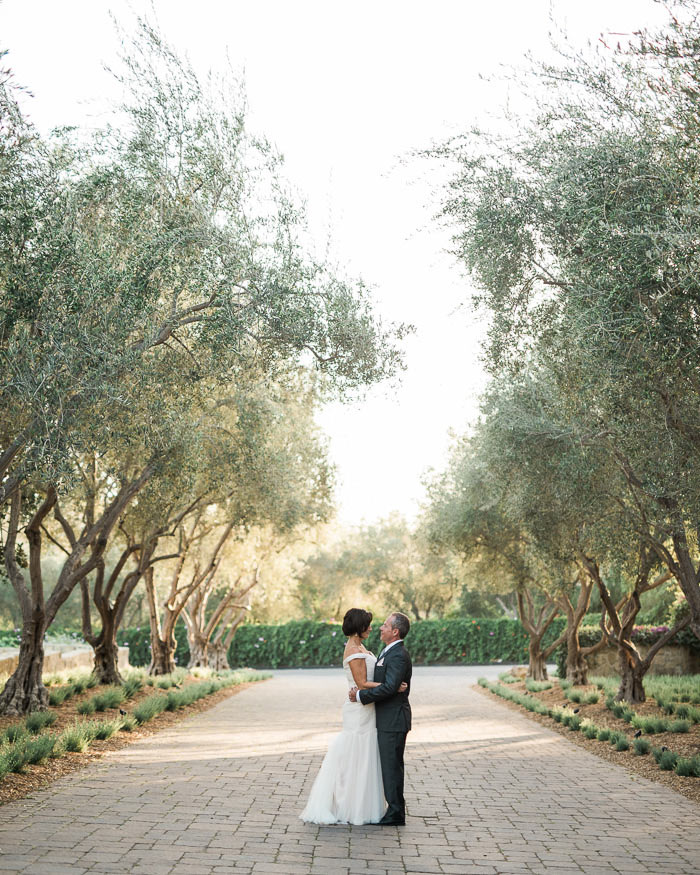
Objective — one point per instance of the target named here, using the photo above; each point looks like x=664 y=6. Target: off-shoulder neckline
x=356 y=654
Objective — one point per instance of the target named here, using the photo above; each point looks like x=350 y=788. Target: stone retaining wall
x=672 y=659
x=57 y=657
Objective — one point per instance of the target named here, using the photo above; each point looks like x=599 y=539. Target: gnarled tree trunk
x=104 y=644
x=537 y=668
x=576 y=664
x=163 y=643
x=576 y=661
x=685 y=569
x=24 y=691
x=617 y=625
x=162 y=656
x=107 y=656
x=199 y=655
x=632 y=673
x=536 y=622
x=218 y=657
x=633 y=668
x=112 y=613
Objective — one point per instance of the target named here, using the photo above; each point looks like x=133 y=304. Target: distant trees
x=155 y=284
x=581 y=232
x=388 y=565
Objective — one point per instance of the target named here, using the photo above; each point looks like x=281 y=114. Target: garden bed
x=33 y=777
x=684 y=744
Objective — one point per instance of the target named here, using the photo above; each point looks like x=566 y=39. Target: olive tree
x=580 y=232
x=276 y=476
x=151 y=263
x=470 y=512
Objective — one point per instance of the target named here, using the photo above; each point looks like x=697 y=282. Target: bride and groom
x=364 y=763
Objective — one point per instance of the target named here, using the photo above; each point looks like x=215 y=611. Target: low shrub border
x=20 y=748
x=688 y=767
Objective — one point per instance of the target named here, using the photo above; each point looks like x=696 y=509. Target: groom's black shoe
x=392 y=821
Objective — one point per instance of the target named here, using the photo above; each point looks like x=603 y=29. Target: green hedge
x=472 y=641
x=139 y=641
x=464 y=641
x=9 y=638
x=589 y=635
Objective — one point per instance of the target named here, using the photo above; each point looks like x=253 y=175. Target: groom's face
x=387 y=632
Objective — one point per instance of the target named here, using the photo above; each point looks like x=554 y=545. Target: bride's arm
x=358 y=667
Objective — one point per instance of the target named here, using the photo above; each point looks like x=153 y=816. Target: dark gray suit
x=393 y=713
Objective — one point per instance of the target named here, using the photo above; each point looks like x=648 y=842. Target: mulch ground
x=17 y=786
x=685 y=744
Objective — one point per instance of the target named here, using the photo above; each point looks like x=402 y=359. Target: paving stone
x=488 y=791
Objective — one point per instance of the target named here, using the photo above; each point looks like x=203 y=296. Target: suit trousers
x=391 y=750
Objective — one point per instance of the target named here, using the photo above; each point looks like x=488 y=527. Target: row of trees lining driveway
x=165 y=334
x=582 y=234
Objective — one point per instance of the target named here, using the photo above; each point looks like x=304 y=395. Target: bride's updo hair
x=356 y=621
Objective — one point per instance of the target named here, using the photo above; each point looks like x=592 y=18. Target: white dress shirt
x=385 y=650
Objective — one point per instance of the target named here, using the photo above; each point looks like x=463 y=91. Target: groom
x=393 y=712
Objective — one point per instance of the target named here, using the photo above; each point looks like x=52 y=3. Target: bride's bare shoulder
x=351 y=649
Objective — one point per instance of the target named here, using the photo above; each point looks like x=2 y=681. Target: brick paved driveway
x=488 y=792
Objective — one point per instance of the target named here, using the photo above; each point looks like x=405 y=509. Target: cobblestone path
x=488 y=792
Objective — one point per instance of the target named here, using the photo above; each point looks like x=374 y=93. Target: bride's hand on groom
x=352 y=692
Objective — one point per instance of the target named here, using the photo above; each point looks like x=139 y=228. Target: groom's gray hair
x=401 y=622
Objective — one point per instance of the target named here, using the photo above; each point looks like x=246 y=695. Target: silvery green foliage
x=163 y=252
x=581 y=232
x=150 y=273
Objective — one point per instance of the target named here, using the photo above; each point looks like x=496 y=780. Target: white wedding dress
x=348 y=787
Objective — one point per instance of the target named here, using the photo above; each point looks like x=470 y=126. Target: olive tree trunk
x=163 y=642
x=536 y=622
x=199 y=652
x=218 y=657
x=107 y=657
x=24 y=691
x=617 y=626
x=537 y=667
x=162 y=656
x=632 y=673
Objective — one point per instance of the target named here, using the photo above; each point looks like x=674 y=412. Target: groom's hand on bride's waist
x=352 y=694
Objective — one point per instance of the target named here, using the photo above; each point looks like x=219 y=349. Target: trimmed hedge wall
x=307 y=643
x=464 y=641
x=458 y=641
x=461 y=641
x=589 y=635
x=139 y=641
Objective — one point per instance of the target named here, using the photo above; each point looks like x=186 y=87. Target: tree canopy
x=580 y=233
x=164 y=324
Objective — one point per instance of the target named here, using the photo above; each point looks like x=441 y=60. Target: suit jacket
x=393 y=710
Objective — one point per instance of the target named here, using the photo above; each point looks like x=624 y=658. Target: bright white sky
x=345 y=90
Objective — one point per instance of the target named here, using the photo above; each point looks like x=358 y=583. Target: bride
x=348 y=787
